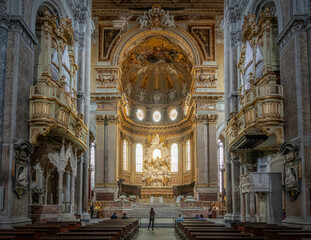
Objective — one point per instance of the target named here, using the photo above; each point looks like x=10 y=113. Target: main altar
x=157 y=171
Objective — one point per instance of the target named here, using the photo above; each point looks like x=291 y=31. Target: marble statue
x=156 y=169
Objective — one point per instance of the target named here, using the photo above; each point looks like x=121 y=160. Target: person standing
x=210 y=213
x=151 y=219
x=92 y=210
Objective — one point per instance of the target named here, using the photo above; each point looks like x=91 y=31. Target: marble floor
x=157 y=233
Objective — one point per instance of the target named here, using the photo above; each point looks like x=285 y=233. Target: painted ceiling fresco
x=156 y=71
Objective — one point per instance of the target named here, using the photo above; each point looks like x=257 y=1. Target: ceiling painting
x=156 y=71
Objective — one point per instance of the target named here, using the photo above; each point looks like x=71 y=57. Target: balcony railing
x=261 y=112
x=52 y=109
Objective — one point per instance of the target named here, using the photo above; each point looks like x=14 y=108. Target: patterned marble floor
x=158 y=233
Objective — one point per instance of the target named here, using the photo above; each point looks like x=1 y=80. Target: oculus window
x=173 y=114
x=156 y=116
x=140 y=114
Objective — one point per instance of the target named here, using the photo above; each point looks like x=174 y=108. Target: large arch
x=51 y=4
x=176 y=35
x=255 y=7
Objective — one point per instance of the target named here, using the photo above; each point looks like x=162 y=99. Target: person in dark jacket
x=151 y=219
x=114 y=216
x=92 y=210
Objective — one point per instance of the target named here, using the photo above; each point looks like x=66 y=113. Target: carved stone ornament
x=292 y=170
x=156 y=19
x=21 y=167
x=156 y=167
x=206 y=80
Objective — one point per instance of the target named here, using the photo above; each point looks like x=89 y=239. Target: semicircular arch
x=176 y=35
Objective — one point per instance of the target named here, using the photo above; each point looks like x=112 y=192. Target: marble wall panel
x=25 y=80
x=305 y=83
x=288 y=80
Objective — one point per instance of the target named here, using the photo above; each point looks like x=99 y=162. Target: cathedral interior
x=195 y=105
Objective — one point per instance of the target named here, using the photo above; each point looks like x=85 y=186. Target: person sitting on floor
x=197 y=216
x=180 y=218
x=114 y=216
x=124 y=216
x=202 y=217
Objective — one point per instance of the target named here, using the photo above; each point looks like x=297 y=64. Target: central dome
x=156 y=71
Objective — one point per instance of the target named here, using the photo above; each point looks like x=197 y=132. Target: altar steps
x=162 y=210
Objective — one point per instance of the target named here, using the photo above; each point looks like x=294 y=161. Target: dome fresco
x=156 y=71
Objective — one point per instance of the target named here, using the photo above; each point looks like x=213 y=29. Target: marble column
x=212 y=154
x=233 y=76
x=112 y=156
x=100 y=148
x=3 y=55
x=247 y=207
x=60 y=187
x=72 y=194
x=228 y=188
x=106 y=151
x=252 y=207
x=81 y=73
x=67 y=189
x=235 y=180
x=227 y=117
x=202 y=132
x=86 y=109
x=243 y=210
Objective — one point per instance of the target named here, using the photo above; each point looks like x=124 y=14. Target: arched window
x=92 y=165
x=139 y=158
x=174 y=157
x=220 y=156
x=188 y=155
x=125 y=156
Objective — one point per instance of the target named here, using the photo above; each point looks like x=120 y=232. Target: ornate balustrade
x=54 y=110
x=261 y=114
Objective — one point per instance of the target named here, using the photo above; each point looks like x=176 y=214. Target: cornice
x=17 y=24
x=296 y=23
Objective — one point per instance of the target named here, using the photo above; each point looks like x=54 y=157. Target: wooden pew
x=19 y=235
x=7 y=237
x=113 y=235
x=274 y=234
x=194 y=235
x=294 y=236
x=78 y=238
x=230 y=238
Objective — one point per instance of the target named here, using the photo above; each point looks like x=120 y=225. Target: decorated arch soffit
x=176 y=36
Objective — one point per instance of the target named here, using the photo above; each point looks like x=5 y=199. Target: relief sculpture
x=20 y=176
